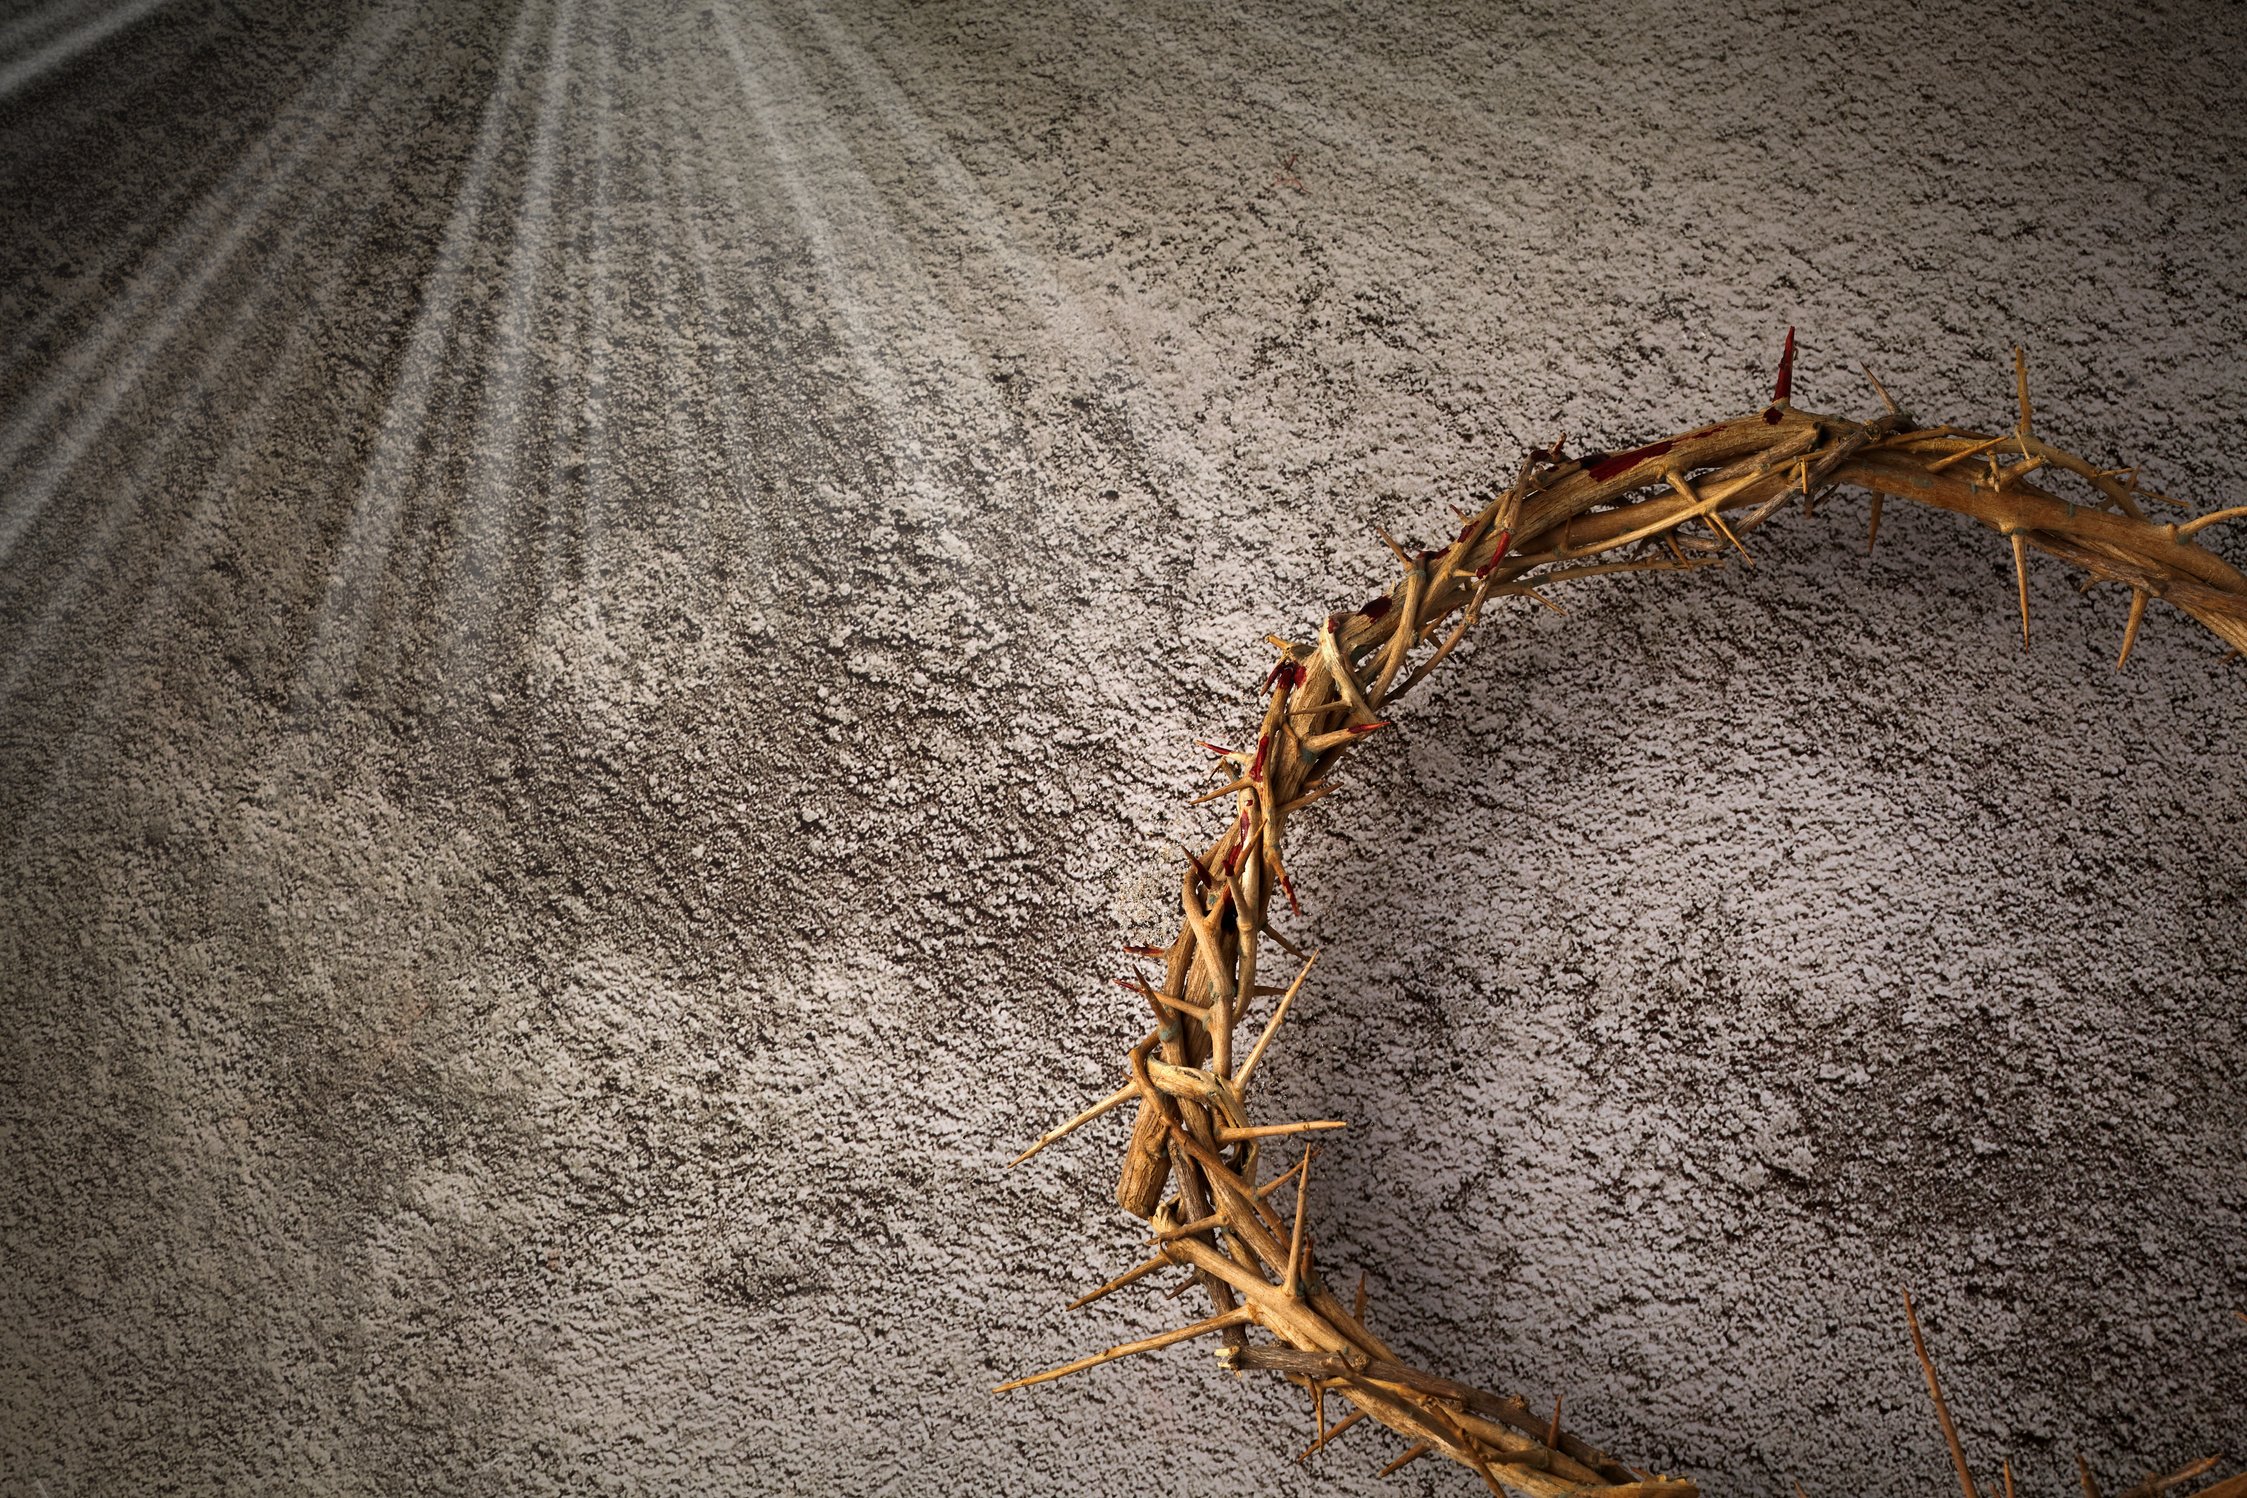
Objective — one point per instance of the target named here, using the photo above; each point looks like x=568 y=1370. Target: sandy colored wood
x=1681 y=503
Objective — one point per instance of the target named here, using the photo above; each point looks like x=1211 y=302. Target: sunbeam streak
x=37 y=57
x=363 y=555
x=497 y=493
x=104 y=367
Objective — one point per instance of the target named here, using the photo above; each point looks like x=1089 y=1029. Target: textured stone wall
x=601 y=609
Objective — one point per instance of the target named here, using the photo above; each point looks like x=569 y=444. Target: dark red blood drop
x=1377 y=607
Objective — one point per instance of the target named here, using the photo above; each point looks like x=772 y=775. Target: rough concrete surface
x=602 y=607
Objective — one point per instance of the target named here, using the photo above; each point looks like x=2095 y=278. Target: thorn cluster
x=1195 y=1166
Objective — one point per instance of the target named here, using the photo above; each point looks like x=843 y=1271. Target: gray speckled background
x=600 y=612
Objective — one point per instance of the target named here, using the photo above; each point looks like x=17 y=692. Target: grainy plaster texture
x=601 y=614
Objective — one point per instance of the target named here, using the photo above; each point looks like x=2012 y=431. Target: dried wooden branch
x=1193 y=1164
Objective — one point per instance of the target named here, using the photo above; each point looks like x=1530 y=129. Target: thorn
x=1112 y=1100
x=1271 y=1027
x=2021 y=384
x=1187 y=1230
x=2007 y=1470
x=1265 y=1191
x=1552 y=1431
x=1334 y=1430
x=1357 y=1306
x=1230 y=1135
x=1228 y=789
x=1964 y=453
x=1717 y=520
x=1294 y=1278
x=1783 y=387
x=1798 y=1492
x=1391 y=542
x=1319 y=743
x=2202 y=522
x=1872 y=537
x=2083 y=1473
x=1152 y=995
x=1882 y=391
x=2021 y=577
x=1407 y=1459
x=1130 y=1276
x=1210 y=1324
x=2154 y=1487
x=2130 y=630
x=1942 y=1409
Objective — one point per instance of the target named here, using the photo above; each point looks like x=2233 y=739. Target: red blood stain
x=1377 y=607
x=1505 y=539
x=1607 y=468
x=1256 y=765
x=1784 y=386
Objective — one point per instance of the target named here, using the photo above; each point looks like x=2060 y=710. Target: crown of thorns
x=1195 y=1166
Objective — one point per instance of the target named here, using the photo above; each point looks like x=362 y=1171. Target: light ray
x=363 y=554
x=60 y=51
x=209 y=243
x=215 y=366
x=1074 y=323
x=493 y=491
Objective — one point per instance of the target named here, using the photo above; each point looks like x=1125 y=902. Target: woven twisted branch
x=1195 y=1166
